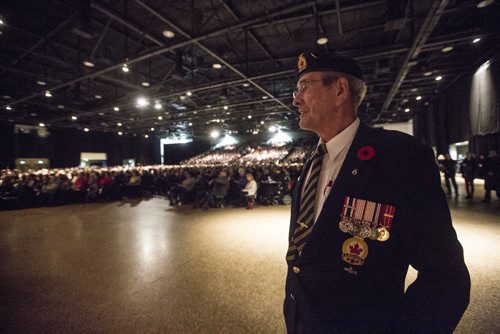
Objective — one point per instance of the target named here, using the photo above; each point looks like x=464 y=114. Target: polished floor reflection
x=141 y=266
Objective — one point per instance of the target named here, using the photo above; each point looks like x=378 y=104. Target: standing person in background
x=450 y=169
x=468 y=168
x=491 y=169
x=368 y=204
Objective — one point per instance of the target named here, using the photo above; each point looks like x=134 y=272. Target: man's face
x=315 y=102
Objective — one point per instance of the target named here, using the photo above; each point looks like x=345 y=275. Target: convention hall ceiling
x=227 y=64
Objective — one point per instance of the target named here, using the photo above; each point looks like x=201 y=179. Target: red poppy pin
x=366 y=153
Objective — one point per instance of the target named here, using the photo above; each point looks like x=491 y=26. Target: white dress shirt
x=337 y=148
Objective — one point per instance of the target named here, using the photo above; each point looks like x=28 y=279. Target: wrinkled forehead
x=310 y=76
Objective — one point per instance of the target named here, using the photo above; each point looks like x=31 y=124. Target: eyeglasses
x=302 y=86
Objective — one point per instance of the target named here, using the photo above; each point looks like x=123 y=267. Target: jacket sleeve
x=437 y=299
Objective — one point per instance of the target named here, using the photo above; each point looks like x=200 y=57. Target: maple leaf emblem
x=356 y=249
x=302 y=63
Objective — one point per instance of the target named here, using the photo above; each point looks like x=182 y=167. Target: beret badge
x=302 y=63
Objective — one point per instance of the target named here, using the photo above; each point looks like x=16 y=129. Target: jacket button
x=296 y=269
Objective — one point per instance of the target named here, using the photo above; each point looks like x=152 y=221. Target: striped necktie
x=306 y=212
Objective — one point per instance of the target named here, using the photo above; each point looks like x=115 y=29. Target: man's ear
x=342 y=87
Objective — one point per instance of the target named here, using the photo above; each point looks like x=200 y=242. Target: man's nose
x=297 y=100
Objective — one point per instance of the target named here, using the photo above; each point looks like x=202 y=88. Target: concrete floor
x=140 y=267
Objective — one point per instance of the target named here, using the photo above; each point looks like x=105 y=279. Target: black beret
x=328 y=62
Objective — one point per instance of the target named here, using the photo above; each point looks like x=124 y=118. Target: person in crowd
x=368 y=204
x=491 y=171
x=134 y=184
x=106 y=185
x=250 y=190
x=80 y=187
x=92 y=187
x=469 y=168
x=238 y=182
x=449 y=170
x=180 y=193
x=220 y=187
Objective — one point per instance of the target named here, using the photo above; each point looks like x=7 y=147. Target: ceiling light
x=272 y=128
x=168 y=33
x=86 y=129
x=88 y=63
x=246 y=84
x=8 y=107
x=145 y=84
x=152 y=129
x=407 y=110
x=41 y=125
x=438 y=78
x=116 y=109
x=209 y=106
x=98 y=97
x=214 y=134
x=60 y=106
x=6 y=96
x=142 y=102
x=418 y=98
x=125 y=68
x=119 y=124
x=265 y=97
x=447 y=49
x=226 y=107
x=427 y=74
x=41 y=82
x=189 y=93
x=157 y=105
x=160 y=118
x=48 y=93
x=476 y=40
x=217 y=66
x=249 y=116
x=322 y=40
x=484 y=3
x=190 y=124
x=146 y=136
x=120 y=133
x=74 y=118
x=101 y=114
x=1 y=22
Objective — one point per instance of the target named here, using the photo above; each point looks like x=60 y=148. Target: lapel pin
x=354 y=172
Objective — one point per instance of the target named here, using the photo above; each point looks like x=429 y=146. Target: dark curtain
x=7 y=145
x=63 y=146
x=483 y=144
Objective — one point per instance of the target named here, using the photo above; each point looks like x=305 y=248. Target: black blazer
x=324 y=296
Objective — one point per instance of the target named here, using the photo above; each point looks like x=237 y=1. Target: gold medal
x=382 y=234
x=354 y=251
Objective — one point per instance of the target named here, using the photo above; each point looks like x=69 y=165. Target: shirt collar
x=341 y=140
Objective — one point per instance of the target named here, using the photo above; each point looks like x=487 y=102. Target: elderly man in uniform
x=368 y=204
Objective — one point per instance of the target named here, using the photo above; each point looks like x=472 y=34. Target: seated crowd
x=234 y=176
x=201 y=187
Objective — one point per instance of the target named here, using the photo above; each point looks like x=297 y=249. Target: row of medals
x=363 y=229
